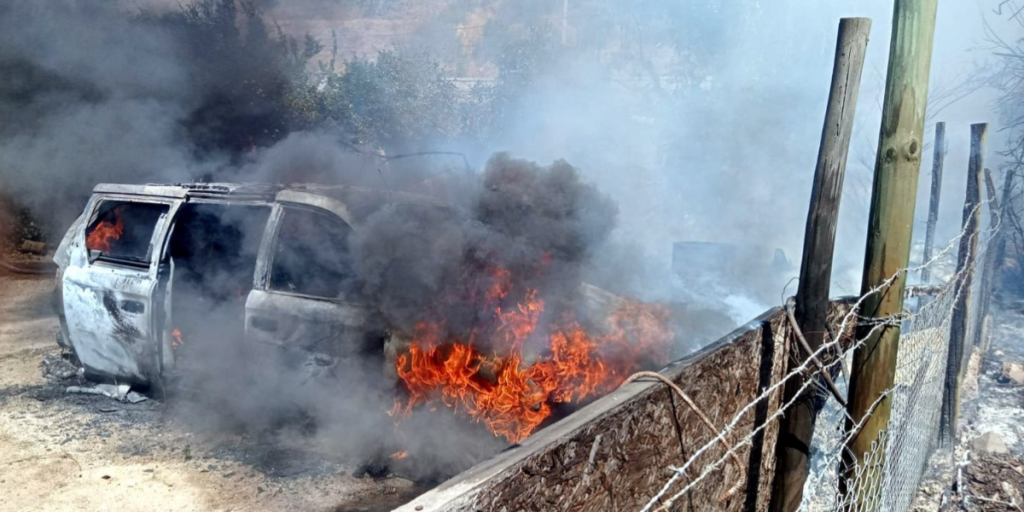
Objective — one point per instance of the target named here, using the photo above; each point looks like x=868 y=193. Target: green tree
x=398 y=102
x=245 y=71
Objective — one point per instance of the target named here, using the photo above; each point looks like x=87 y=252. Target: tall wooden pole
x=965 y=259
x=890 y=225
x=938 y=155
x=816 y=265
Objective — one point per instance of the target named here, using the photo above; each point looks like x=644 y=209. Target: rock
x=1012 y=372
x=33 y=247
x=990 y=442
x=57 y=368
x=1011 y=492
x=374 y=469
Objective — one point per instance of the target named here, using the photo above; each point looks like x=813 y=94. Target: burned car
x=147 y=269
x=328 y=302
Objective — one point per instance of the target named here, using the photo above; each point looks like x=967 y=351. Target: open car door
x=109 y=288
x=304 y=298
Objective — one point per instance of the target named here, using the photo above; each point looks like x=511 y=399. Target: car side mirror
x=94 y=255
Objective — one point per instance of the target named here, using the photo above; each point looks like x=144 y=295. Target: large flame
x=510 y=394
x=106 y=232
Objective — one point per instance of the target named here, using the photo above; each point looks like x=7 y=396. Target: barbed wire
x=944 y=299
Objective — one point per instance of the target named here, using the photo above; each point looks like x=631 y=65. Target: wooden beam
x=938 y=155
x=816 y=265
x=965 y=268
x=890 y=225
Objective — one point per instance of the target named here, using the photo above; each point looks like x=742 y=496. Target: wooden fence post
x=999 y=255
x=1004 y=225
x=938 y=155
x=993 y=201
x=988 y=268
x=890 y=225
x=816 y=265
x=965 y=259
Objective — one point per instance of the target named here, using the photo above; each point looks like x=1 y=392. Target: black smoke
x=91 y=94
x=540 y=223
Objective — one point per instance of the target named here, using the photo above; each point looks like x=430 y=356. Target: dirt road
x=62 y=451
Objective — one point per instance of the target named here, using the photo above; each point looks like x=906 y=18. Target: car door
x=305 y=295
x=109 y=288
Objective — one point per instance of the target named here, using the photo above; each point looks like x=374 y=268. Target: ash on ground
x=985 y=471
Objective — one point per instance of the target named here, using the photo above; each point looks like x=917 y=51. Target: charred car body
x=148 y=269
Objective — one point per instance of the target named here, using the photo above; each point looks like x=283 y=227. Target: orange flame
x=512 y=395
x=106 y=232
x=400 y=455
x=176 y=334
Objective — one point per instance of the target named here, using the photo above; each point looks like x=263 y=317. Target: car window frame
x=268 y=249
x=157 y=238
x=172 y=222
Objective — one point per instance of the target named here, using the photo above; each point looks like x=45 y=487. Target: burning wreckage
x=465 y=307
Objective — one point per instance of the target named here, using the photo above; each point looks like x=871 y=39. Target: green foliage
x=244 y=70
x=397 y=101
x=520 y=64
x=259 y=84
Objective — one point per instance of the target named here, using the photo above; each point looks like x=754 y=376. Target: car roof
x=360 y=201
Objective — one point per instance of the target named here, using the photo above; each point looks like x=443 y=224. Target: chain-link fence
x=917 y=394
x=888 y=477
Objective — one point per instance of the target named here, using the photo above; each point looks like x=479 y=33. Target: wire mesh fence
x=887 y=478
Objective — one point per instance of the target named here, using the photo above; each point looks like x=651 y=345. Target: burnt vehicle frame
x=117 y=308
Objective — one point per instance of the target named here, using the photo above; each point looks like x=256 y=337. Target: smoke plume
x=670 y=125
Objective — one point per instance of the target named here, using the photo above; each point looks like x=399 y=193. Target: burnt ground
x=65 y=451
x=977 y=479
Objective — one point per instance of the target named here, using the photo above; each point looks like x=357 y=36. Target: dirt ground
x=62 y=451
